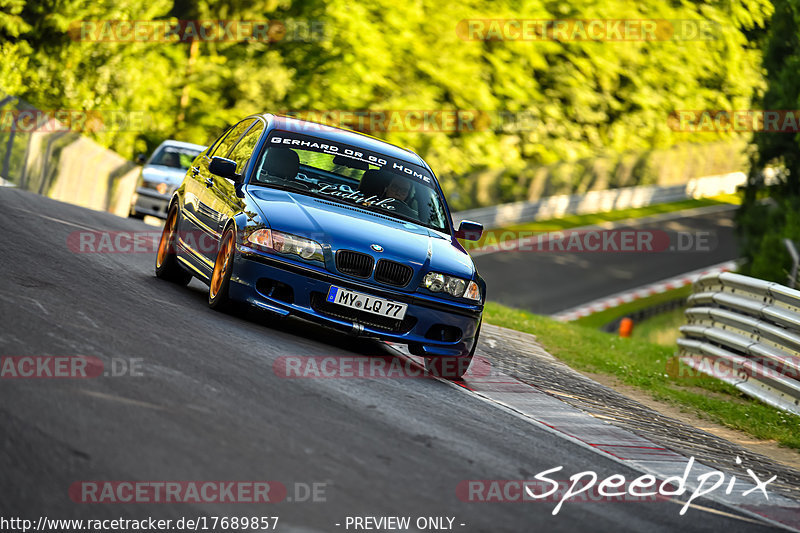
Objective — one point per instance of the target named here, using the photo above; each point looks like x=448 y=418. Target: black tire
x=167 y=267
x=452 y=367
x=221 y=276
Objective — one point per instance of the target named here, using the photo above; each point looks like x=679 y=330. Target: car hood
x=158 y=174
x=343 y=227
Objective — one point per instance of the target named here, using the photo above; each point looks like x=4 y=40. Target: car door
x=193 y=189
x=205 y=216
x=224 y=201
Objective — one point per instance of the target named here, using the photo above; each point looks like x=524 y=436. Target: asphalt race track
x=549 y=282
x=207 y=404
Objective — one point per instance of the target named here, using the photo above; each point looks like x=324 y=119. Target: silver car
x=161 y=175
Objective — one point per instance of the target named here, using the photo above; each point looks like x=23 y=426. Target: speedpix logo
x=588 y=487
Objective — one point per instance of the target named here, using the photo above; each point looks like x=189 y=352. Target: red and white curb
x=618 y=299
x=552 y=415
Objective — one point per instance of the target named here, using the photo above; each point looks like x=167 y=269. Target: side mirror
x=140 y=159
x=469 y=231
x=225 y=168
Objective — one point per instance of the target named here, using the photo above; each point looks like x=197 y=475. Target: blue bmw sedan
x=329 y=225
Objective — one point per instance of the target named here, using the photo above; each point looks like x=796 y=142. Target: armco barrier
x=51 y=160
x=746 y=332
x=597 y=201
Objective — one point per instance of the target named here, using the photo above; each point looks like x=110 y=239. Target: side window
x=186 y=159
x=214 y=145
x=223 y=146
x=244 y=149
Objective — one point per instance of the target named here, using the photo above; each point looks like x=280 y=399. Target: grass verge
x=662 y=328
x=649 y=367
x=601 y=318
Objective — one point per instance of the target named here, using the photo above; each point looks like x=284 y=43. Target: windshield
x=350 y=175
x=174 y=157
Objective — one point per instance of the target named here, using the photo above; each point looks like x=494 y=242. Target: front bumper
x=150 y=202
x=285 y=287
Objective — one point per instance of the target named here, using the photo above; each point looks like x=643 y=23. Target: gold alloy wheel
x=221 y=265
x=166 y=239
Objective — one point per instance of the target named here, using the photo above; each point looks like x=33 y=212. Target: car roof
x=341 y=135
x=181 y=144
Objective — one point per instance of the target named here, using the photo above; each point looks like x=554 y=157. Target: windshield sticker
x=356 y=197
x=410 y=172
x=340 y=150
x=305 y=144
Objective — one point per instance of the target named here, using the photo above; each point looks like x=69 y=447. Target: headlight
x=433 y=281
x=286 y=243
x=158 y=186
x=456 y=287
x=460 y=288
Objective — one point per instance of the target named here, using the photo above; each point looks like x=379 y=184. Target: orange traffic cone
x=625 y=327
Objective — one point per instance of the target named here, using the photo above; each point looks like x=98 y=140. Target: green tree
x=769 y=212
x=578 y=105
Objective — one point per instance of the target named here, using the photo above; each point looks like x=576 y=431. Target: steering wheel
x=269 y=178
x=403 y=208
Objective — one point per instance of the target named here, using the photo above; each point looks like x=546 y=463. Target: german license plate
x=365 y=302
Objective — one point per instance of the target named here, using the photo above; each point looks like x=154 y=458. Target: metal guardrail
x=501 y=215
x=792 y=249
x=746 y=332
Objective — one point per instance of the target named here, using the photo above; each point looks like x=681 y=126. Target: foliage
x=771 y=210
x=549 y=103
